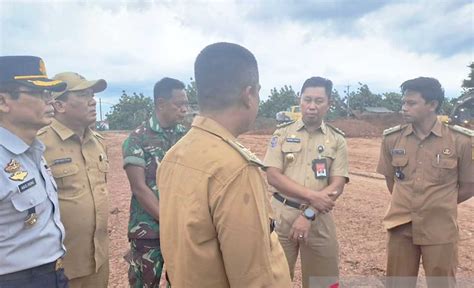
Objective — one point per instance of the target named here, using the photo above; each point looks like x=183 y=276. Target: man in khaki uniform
x=78 y=161
x=215 y=224
x=428 y=167
x=307 y=167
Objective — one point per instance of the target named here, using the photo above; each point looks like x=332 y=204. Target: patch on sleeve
x=274 y=141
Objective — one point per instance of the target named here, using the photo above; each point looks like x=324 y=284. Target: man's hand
x=300 y=229
x=323 y=202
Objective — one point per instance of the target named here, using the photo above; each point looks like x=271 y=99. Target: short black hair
x=221 y=71
x=318 y=82
x=429 y=88
x=164 y=88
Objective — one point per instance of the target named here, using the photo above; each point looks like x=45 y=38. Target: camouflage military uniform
x=146 y=147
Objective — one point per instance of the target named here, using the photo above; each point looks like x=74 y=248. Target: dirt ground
x=358 y=213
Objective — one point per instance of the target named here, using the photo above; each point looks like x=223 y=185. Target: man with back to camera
x=215 y=221
x=78 y=160
x=428 y=167
x=308 y=168
x=31 y=233
x=142 y=152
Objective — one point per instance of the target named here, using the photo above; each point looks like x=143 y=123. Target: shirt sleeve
x=466 y=162
x=273 y=156
x=340 y=165
x=243 y=227
x=384 y=166
x=132 y=151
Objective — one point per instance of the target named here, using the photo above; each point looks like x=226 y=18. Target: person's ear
x=433 y=105
x=160 y=104
x=246 y=96
x=4 y=99
x=59 y=106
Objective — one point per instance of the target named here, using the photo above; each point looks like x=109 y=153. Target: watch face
x=309 y=213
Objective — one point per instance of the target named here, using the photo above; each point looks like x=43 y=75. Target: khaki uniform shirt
x=214 y=214
x=292 y=149
x=432 y=169
x=80 y=171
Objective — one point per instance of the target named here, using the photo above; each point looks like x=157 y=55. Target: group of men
x=199 y=200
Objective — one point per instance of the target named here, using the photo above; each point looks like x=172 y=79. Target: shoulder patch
x=246 y=153
x=284 y=124
x=336 y=129
x=392 y=130
x=462 y=130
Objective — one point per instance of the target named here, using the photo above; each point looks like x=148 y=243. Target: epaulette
x=246 y=153
x=336 y=129
x=462 y=130
x=391 y=130
x=284 y=124
x=98 y=135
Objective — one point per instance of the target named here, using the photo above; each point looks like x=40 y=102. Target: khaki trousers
x=96 y=280
x=319 y=256
x=403 y=260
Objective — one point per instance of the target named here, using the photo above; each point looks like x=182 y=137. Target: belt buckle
x=59 y=264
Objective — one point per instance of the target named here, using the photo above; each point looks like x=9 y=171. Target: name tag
x=62 y=161
x=27 y=185
x=293 y=140
x=398 y=151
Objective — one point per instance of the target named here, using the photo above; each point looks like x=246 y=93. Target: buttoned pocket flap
x=63 y=170
x=445 y=163
x=104 y=166
x=290 y=147
x=399 y=161
x=28 y=199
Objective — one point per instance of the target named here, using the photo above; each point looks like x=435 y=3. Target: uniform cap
x=77 y=82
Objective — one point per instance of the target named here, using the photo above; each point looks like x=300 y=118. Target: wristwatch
x=309 y=214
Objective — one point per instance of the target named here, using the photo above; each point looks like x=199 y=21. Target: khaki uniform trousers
x=403 y=260
x=96 y=280
x=319 y=255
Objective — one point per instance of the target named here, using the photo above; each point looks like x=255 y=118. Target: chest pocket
x=291 y=153
x=66 y=178
x=444 y=169
x=28 y=199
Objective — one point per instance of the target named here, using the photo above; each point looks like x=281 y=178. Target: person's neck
x=26 y=134
x=78 y=129
x=423 y=128
x=313 y=126
x=230 y=119
x=163 y=122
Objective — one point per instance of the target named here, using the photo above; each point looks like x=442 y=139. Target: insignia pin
x=446 y=151
x=31 y=219
x=320 y=148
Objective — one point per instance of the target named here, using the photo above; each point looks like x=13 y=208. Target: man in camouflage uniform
x=142 y=152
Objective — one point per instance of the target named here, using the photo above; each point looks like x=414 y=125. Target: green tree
x=130 y=112
x=191 y=92
x=392 y=101
x=338 y=108
x=363 y=98
x=278 y=100
x=468 y=84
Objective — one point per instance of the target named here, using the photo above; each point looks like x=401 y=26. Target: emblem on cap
x=42 y=67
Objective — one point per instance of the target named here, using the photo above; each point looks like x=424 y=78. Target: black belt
x=27 y=273
x=288 y=202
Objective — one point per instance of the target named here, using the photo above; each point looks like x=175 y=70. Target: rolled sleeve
x=466 y=165
x=340 y=166
x=384 y=166
x=133 y=153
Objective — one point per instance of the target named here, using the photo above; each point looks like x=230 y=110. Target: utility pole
x=100 y=109
x=348 y=105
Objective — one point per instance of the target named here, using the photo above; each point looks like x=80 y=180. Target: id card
x=320 y=168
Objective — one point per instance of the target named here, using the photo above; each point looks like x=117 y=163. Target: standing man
x=428 y=167
x=31 y=233
x=307 y=167
x=216 y=229
x=143 y=151
x=78 y=160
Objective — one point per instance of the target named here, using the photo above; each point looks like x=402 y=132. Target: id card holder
x=320 y=168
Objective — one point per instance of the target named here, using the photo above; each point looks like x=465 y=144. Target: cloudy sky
x=132 y=44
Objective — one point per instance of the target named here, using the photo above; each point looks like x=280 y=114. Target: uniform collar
x=211 y=126
x=300 y=125
x=65 y=133
x=154 y=125
x=436 y=130
x=16 y=145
